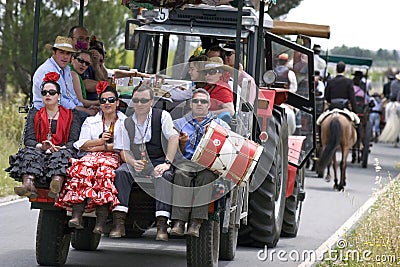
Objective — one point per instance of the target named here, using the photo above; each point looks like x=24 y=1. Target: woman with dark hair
x=80 y=62
x=91 y=178
x=48 y=137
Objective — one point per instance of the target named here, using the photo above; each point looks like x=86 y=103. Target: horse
x=337 y=130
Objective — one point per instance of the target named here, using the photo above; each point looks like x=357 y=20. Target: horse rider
x=339 y=93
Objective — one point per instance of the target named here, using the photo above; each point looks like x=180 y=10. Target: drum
x=227 y=152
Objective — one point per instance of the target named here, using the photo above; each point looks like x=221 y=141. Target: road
x=324 y=211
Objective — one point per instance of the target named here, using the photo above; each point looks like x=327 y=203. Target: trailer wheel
x=203 y=251
x=85 y=239
x=228 y=244
x=52 y=238
x=267 y=202
x=293 y=207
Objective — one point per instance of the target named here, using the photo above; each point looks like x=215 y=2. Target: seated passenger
x=61 y=53
x=91 y=178
x=48 y=137
x=196 y=66
x=191 y=204
x=142 y=151
x=220 y=92
x=229 y=59
x=79 y=64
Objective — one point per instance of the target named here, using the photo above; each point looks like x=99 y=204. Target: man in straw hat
x=61 y=53
x=217 y=76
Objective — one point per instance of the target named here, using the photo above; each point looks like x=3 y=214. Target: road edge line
x=345 y=228
x=13 y=201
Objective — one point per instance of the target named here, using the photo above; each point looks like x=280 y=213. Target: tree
x=283 y=7
x=56 y=18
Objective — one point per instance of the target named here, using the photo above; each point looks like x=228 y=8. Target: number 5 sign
x=163 y=15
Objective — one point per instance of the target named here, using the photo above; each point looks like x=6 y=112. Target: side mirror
x=131 y=36
x=269 y=77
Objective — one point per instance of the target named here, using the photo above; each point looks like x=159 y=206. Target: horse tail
x=333 y=142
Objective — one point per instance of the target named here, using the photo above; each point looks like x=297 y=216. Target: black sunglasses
x=229 y=53
x=211 y=72
x=141 y=100
x=110 y=100
x=83 y=61
x=197 y=100
x=50 y=92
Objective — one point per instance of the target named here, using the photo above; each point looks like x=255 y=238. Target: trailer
x=268 y=205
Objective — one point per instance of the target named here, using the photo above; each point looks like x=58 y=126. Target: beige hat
x=62 y=43
x=216 y=62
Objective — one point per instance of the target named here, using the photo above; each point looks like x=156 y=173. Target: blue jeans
x=375 y=119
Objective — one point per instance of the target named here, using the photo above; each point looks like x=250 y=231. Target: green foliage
x=104 y=19
x=11 y=127
x=283 y=7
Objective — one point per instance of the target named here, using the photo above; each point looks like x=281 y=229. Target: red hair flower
x=101 y=86
x=51 y=77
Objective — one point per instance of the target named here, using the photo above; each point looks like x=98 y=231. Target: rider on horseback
x=339 y=93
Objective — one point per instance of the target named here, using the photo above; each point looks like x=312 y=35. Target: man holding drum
x=193 y=184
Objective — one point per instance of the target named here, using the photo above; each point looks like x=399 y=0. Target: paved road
x=324 y=211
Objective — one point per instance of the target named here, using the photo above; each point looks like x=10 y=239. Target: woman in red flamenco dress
x=90 y=184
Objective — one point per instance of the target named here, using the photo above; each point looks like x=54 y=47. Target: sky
x=367 y=24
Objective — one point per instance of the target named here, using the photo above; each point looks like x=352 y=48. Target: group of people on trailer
x=75 y=145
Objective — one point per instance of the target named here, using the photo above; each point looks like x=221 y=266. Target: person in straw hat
x=61 y=53
x=217 y=86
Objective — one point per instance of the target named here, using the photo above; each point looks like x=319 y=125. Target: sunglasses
x=211 y=72
x=229 y=53
x=141 y=100
x=50 y=92
x=83 y=61
x=110 y=100
x=197 y=100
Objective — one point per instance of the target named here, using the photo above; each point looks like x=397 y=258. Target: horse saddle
x=350 y=115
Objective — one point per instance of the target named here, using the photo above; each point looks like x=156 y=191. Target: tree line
x=382 y=58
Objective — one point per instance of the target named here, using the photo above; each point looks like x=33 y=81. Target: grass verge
x=375 y=241
x=11 y=127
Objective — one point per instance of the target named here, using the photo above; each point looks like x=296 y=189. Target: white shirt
x=143 y=131
x=93 y=127
x=293 y=81
x=319 y=64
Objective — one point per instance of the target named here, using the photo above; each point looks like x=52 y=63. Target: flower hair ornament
x=101 y=86
x=51 y=77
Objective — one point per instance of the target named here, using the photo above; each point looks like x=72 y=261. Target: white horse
x=391 y=131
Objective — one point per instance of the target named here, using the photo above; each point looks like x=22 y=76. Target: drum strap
x=198 y=128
